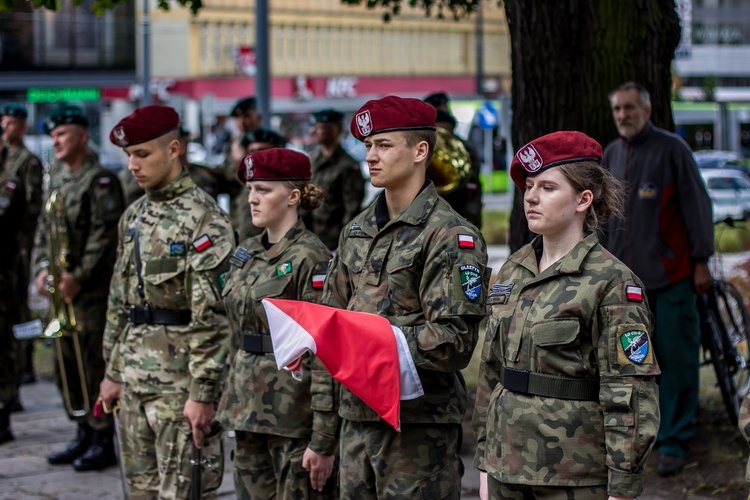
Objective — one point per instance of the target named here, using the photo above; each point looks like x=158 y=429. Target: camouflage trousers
x=8 y=358
x=419 y=462
x=270 y=467
x=156 y=445
x=498 y=491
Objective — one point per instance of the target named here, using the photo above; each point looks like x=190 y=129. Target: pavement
x=43 y=428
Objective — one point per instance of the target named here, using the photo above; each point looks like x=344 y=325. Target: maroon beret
x=276 y=164
x=392 y=113
x=552 y=150
x=144 y=124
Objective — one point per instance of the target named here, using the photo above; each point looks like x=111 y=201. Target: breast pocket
x=557 y=348
x=273 y=288
x=403 y=272
x=164 y=282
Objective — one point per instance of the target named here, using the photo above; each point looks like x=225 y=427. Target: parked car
x=712 y=158
x=729 y=191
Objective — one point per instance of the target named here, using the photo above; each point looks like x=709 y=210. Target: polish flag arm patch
x=318 y=280
x=465 y=241
x=634 y=293
x=202 y=243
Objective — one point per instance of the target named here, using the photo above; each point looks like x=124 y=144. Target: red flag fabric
x=360 y=350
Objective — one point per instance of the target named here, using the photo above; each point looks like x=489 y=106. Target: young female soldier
x=285 y=428
x=567 y=405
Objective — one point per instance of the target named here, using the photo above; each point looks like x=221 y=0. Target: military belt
x=151 y=316
x=550 y=386
x=256 y=344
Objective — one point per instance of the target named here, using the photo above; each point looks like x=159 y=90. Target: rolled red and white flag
x=363 y=351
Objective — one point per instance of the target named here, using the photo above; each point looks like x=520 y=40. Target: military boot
x=5 y=433
x=75 y=448
x=100 y=455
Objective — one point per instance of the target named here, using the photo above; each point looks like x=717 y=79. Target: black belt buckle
x=516 y=380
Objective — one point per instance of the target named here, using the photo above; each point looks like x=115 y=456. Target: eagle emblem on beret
x=249 y=169
x=364 y=122
x=120 y=137
x=530 y=158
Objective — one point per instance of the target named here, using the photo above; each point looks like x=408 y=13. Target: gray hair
x=642 y=92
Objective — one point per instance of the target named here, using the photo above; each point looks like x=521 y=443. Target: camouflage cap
x=262 y=135
x=15 y=110
x=243 y=105
x=327 y=115
x=390 y=114
x=65 y=114
x=550 y=151
x=144 y=124
x=277 y=164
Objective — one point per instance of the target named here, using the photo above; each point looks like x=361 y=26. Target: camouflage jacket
x=23 y=164
x=583 y=317
x=12 y=210
x=259 y=397
x=744 y=425
x=93 y=205
x=341 y=179
x=185 y=241
x=425 y=271
x=201 y=176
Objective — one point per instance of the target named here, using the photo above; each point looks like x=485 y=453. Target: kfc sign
x=341 y=87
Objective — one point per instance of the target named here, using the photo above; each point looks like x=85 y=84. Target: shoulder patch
x=634 y=345
x=465 y=241
x=634 y=293
x=240 y=256
x=471 y=281
x=284 y=268
x=202 y=243
x=177 y=249
x=105 y=181
x=10 y=186
x=318 y=280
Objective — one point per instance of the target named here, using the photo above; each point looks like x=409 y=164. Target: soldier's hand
x=484 y=493
x=40 y=283
x=109 y=392
x=200 y=415
x=702 y=277
x=69 y=287
x=319 y=466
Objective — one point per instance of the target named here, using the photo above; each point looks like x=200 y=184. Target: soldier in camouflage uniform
x=338 y=175
x=93 y=203
x=12 y=208
x=166 y=342
x=567 y=404
x=23 y=164
x=411 y=259
x=284 y=427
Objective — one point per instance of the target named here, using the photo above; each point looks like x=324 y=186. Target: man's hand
x=484 y=493
x=702 y=277
x=69 y=287
x=109 y=392
x=320 y=467
x=40 y=283
x=200 y=415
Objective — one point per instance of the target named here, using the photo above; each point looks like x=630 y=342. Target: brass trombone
x=63 y=320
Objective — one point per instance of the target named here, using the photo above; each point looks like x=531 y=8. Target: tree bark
x=567 y=55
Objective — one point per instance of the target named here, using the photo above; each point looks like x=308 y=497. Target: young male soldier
x=338 y=174
x=409 y=258
x=93 y=202
x=12 y=207
x=166 y=343
x=23 y=164
x=666 y=238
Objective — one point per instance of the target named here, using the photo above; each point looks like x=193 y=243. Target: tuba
x=451 y=165
x=63 y=320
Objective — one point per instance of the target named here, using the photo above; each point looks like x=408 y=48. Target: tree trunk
x=567 y=55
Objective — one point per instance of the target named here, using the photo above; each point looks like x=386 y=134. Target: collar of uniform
x=415 y=213
x=180 y=185
x=89 y=161
x=255 y=246
x=642 y=137
x=570 y=264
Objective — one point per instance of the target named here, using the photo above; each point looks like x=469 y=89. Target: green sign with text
x=62 y=95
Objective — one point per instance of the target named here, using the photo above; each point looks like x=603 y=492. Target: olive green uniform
x=566 y=396
x=276 y=417
x=425 y=271
x=175 y=348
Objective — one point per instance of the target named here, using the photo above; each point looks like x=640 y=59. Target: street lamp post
x=262 y=74
x=145 y=55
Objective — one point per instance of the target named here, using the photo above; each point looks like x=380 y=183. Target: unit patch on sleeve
x=465 y=241
x=471 y=281
x=202 y=243
x=633 y=345
x=634 y=293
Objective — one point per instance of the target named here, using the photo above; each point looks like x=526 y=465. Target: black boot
x=75 y=448
x=100 y=455
x=5 y=433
